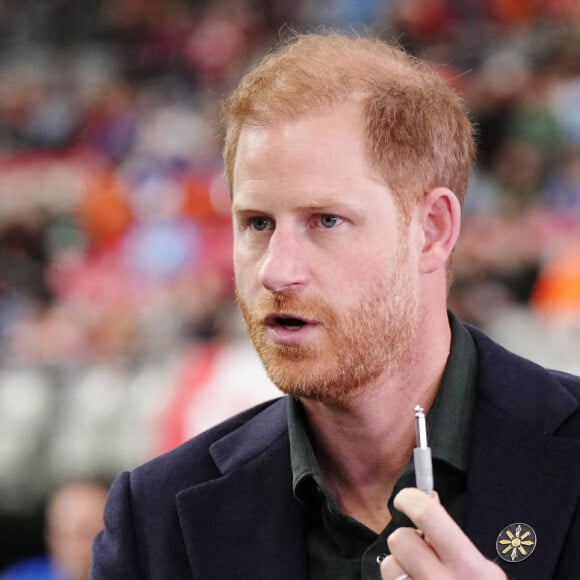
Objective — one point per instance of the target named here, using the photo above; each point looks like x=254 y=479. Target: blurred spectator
x=221 y=41
x=74 y=515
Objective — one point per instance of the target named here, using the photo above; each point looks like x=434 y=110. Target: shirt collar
x=449 y=418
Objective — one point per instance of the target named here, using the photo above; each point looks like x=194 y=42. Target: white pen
x=422 y=454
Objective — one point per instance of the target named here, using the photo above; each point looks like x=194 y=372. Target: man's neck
x=363 y=446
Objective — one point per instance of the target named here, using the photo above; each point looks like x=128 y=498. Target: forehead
x=326 y=150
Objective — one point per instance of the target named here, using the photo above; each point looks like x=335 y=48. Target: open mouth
x=286 y=322
x=290 y=323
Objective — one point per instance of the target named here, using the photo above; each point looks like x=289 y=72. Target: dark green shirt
x=340 y=547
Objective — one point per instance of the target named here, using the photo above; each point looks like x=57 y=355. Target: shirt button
x=380 y=558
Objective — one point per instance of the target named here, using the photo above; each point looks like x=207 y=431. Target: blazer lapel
x=247 y=523
x=520 y=471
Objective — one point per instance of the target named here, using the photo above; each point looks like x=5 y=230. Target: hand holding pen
x=438 y=549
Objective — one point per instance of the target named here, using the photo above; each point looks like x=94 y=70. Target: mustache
x=288 y=303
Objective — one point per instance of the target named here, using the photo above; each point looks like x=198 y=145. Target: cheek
x=350 y=287
x=245 y=273
x=365 y=270
x=370 y=273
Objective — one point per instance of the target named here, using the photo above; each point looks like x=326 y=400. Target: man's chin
x=287 y=371
x=307 y=380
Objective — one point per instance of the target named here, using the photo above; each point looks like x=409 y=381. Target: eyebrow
x=321 y=203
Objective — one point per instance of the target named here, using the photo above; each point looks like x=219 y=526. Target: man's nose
x=284 y=266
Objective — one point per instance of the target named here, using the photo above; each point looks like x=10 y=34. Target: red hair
x=417 y=128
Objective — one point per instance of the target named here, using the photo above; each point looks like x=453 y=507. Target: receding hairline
x=306 y=75
x=389 y=62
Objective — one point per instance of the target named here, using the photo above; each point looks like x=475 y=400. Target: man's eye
x=329 y=221
x=259 y=223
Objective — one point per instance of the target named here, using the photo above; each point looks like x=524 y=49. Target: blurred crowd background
x=119 y=337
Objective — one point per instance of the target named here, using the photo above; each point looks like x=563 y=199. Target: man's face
x=325 y=275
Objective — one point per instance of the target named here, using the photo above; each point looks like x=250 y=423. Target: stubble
x=372 y=339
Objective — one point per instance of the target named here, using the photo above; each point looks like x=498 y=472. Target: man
x=348 y=162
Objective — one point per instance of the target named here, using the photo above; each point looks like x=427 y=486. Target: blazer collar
x=520 y=471
x=232 y=525
x=252 y=438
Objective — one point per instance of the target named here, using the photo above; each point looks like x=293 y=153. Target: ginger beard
x=370 y=340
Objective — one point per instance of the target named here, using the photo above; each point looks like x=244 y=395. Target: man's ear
x=440 y=218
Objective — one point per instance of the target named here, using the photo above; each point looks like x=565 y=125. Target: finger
x=414 y=554
x=443 y=535
x=391 y=569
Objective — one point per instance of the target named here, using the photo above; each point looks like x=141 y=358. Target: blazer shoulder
x=526 y=390
x=571 y=427
x=192 y=462
x=570 y=381
x=143 y=528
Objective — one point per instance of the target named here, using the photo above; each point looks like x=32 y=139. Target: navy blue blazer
x=221 y=507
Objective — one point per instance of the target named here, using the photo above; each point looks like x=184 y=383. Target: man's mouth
x=287 y=328
x=287 y=322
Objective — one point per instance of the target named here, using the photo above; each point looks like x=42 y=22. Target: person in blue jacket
x=74 y=515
